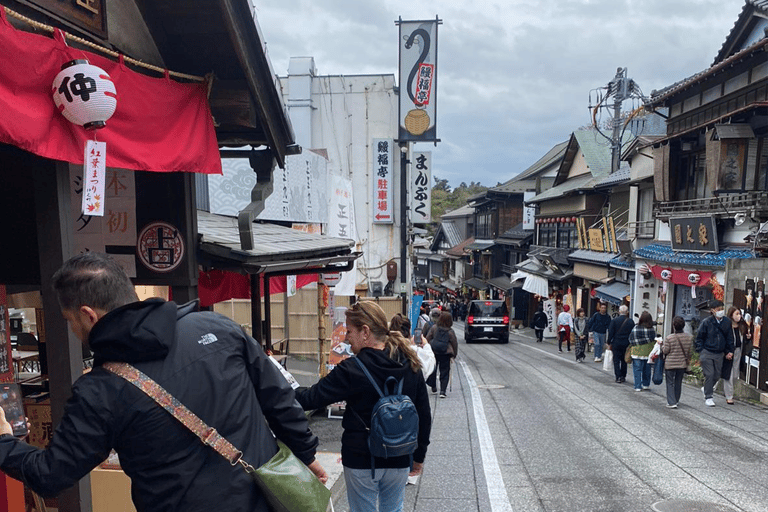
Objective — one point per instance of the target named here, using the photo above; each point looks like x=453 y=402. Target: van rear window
x=488 y=308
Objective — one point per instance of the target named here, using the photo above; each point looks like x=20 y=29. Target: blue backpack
x=394 y=428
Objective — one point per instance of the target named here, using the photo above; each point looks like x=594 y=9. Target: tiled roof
x=623 y=175
x=623 y=262
x=452 y=235
x=596 y=150
x=458 y=251
x=738 y=25
x=585 y=182
x=517 y=232
x=591 y=256
x=464 y=211
x=663 y=253
x=552 y=157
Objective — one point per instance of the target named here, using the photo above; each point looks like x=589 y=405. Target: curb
x=338 y=491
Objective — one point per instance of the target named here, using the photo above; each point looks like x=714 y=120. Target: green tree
x=445 y=200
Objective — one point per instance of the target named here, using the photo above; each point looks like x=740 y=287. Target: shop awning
x=536 y=285
x=532 y=266
x=277 y=249
x=503 y=283
x=615 y=293
x=480 y=246
x=436 y=287
x=477 y=284
x=663 y=253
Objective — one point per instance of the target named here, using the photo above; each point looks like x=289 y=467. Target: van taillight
x=470 y=320
x=506 y=320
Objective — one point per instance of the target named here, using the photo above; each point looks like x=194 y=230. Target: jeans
x=599 y=338
x=674 y=380
x=641 y=371
x=386 y=489
x=711 y=366
x=443 y=365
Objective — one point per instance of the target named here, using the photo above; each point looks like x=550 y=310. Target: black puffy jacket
x=348 y=382
x=209 y=364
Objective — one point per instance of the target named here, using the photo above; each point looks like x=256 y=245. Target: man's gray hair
x=623 y=310
x=434 y=313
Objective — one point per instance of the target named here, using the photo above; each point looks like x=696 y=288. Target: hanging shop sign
x=421 y=187
x=418 y=79
x=160 y=247
x=694 y=234
x=382 y=181
x=158 y=124
x=90 y=15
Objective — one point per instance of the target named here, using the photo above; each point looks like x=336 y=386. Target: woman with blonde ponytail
x=385 y=353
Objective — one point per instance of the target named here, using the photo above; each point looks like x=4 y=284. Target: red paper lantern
x=84 y=94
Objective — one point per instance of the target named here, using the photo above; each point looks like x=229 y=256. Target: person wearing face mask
x=714 y=341
x=741 y=336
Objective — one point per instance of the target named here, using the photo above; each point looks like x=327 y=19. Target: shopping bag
x=658 y=370
x=608 y=360
x=427 y=358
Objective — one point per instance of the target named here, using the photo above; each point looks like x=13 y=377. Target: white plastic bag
x=290 y=378
x=427 y=358
x=608 y=360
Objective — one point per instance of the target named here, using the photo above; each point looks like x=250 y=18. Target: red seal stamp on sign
x=160 y=247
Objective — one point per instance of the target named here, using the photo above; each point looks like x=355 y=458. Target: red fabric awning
x=220 y=285
x=159 y=124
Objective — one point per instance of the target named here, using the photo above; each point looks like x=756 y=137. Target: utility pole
x=404 y=147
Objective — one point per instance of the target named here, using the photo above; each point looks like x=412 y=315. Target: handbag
x=287 y=483
x=658 y=370
x=628 y=354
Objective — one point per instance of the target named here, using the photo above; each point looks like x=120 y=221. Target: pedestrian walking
x=539 y=323
x=617 y=341
x=714 y=343
x=731 y=367
x=445 y=347
x=581 y=333
x=564 y=328
x=385 y=353
x=641 y=341
x=203 y=359
x=423 y=323
x=677 y=349
x=598 y=327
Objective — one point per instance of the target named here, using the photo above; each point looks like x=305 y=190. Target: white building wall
x=343 y=114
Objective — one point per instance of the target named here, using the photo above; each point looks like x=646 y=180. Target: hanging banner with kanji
x=421 y=187
x=93 y=178
x=382 y=181
x=159 y=124
x=418 y=80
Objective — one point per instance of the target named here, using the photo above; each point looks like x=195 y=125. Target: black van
x=487 y=319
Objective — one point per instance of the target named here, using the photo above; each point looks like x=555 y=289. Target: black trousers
x=444 y=367
x=539 y=335
x=619 y=364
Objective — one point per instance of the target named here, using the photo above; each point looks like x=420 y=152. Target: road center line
x=497 y=493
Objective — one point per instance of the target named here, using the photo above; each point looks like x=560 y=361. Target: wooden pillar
x=65 y=352
x=188 y=292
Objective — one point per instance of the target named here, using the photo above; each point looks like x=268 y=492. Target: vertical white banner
x=94 y=176
x=341 y=224
x=290 y=285
x=421 y=187
x=529 y=212
x=382 y=183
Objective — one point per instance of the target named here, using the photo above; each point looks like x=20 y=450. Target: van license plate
x=487 y=329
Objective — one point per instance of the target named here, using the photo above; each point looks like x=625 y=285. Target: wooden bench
x=280 y=351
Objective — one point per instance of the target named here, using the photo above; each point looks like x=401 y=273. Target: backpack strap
x=370 y=378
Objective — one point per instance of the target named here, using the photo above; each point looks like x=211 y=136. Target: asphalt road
x=525 y=428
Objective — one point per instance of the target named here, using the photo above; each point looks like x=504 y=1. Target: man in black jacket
x=203 y=359
x=618 y=341
x=714 y=339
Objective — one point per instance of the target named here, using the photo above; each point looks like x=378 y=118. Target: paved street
x=525 y=428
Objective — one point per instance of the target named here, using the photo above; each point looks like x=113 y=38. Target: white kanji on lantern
x=666 y=274
x=694 y=278
x=84 y=94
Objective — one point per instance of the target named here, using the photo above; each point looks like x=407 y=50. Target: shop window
x=547 y=236
x=692 y=176
x=568 y=237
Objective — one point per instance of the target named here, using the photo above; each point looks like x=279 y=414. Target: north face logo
x=207 y=339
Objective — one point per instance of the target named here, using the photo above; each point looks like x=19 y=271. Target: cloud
x=514 y=76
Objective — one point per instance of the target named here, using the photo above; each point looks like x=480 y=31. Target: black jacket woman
x=384 y=353
x=445 y=346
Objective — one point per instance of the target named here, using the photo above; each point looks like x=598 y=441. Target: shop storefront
x=162 y=131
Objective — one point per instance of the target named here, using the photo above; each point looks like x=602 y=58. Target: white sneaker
x=671 y=406
x=709 y=402
x=598 y=359
x=638 y=389
x=646 y=387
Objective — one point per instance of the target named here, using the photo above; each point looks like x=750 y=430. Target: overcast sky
x=514 y=76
